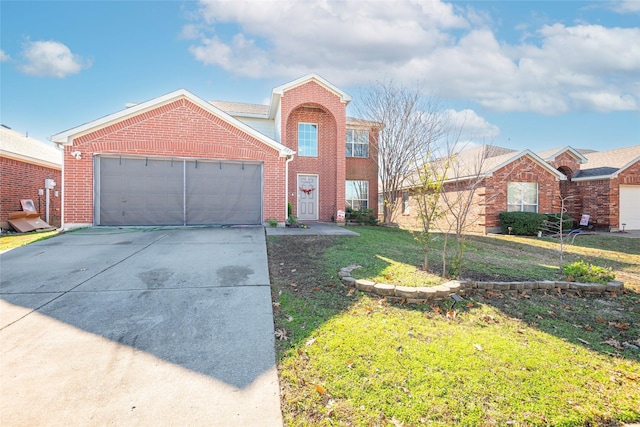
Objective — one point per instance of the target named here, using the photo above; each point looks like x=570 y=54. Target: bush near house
x=521 y=223
x=529 y=223
x=362 y=216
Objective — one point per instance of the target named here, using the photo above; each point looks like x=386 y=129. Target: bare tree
x=410 y=126
x=427 y=192
x=459 y=200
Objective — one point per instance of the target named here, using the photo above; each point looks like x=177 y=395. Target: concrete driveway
x=138 y=327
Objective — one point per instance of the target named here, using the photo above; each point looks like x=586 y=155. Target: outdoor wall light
x=76 y=154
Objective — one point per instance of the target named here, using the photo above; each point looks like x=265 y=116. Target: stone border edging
x=421 y=295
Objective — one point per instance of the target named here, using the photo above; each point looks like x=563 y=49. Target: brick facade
x=178 y=129
x=183 y=126
x=22 y=180
x=521 y=170
x=313 y=103
x=598 y=197
x=366 y=169
x=601 y=198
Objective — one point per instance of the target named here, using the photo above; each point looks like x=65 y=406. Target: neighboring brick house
x=25 y=164
x=608 y=188
x=180 y=160
x=604 y=185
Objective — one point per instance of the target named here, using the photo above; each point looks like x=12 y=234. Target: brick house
x=25 y=164
x=180 y=160
x=604 y=185
x=607 y=188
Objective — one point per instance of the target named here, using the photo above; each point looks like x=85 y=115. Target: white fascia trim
x=581 y=159
x=344 y=97
x=594 y=178
x=67 y=137
x=31 y=160
x=627 y=166
x=559 y=175
x=610 y=176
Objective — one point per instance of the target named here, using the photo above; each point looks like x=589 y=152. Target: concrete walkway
x=138 y=327
x=314 y=229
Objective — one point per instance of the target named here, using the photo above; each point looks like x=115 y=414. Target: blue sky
x=519 y=74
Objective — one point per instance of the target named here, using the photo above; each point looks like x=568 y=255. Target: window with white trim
x=357 y=143
x=357 y=195
x=307 y=139
x=522 y=197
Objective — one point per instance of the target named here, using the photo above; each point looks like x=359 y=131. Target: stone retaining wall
x=420 y=295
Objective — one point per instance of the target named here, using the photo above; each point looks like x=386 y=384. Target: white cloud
x=51 y=59
x=625 y=6
x=453 y=50
x=471 y=126
x=4 y=57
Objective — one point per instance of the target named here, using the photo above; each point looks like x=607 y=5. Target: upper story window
x=307 y=139
x=357 y=143
x=522 y=197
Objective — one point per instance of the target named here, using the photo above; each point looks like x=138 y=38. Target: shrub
x=521 y=223
x=362 y=216
x=581 y=271
x=272 y=222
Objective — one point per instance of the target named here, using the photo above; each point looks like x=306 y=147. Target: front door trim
x=307 y=197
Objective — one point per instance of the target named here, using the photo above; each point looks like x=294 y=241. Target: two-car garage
x=132 y=190
x=175 y=160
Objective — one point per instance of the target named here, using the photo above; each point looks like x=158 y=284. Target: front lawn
x=347 y=358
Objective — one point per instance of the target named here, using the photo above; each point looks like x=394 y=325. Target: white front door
x=308 y=197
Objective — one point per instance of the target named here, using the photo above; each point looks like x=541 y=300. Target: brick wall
x=366 y=169
x=21 y=180
x=521 y=170
x=597 y=198
x=312 y=103
x=177 y=129
x=601 y=198
x=568 y=165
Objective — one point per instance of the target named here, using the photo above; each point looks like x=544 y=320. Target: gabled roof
x=279 y=91
x=67 y=137
x=551 y=154
x=242 y=109
x=484 y=161
x=607 y=164
x=493 y=164
x=17 y=146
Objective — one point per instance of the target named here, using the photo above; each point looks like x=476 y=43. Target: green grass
x=353 y=359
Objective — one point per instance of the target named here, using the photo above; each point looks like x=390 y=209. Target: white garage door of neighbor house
x=630 y=207
x=153 y=191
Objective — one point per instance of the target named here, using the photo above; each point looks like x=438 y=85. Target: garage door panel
x=630 y=207
x=139 y=191
x=143 y=191
x=215 y=194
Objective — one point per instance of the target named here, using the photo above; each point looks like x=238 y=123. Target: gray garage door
x=152 y=191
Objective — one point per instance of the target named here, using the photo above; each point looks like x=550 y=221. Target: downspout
x=61 y=148
x=286 y=187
